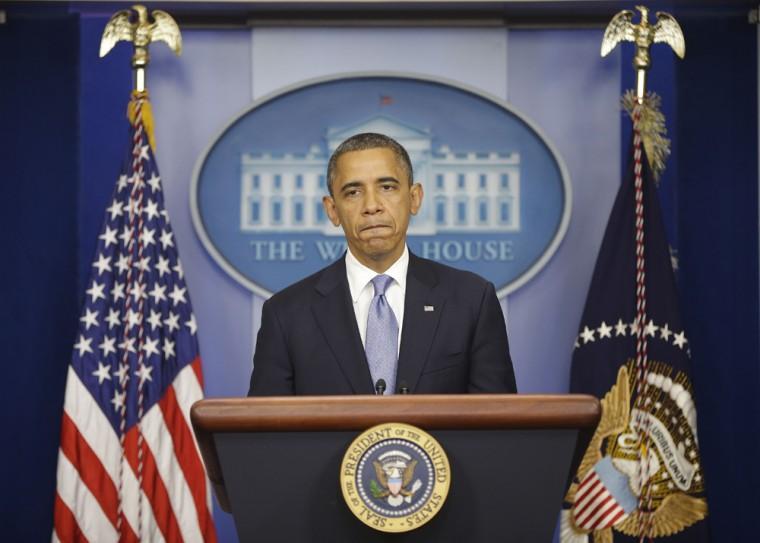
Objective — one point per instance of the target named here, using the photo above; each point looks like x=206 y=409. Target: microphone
x=403 y=388
x=380 y=387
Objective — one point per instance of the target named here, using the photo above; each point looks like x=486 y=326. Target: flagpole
x=667 y=30
x=625 y=483
x=122 y=26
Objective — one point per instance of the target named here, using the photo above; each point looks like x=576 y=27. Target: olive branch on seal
x=376 y=490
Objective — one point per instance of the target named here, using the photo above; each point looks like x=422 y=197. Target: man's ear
x=332 y=214
x=415 y=193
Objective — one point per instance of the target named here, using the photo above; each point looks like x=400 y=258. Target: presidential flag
x=641 y=477
x=129 y=468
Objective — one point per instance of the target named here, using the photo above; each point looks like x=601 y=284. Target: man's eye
x=388 y=187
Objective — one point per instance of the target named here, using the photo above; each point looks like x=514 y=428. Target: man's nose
x=372 y=202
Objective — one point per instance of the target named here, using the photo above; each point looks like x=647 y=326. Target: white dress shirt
x=362 y=291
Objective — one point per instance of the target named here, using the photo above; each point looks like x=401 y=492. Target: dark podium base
x=506 y=485
x=275 y=462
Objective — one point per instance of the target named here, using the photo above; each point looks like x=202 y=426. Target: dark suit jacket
x=309 y=341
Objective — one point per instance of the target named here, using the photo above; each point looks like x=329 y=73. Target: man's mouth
x=371 y=227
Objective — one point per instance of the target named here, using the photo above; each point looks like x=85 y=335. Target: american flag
x=129 y=468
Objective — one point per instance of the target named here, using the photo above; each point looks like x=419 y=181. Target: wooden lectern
x=274 y=462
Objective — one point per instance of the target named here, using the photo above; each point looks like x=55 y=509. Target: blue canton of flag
x=129 y=468
x=641 y=477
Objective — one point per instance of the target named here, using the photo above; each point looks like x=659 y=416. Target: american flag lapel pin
x=428 y=308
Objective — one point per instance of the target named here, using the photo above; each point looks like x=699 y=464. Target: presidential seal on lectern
x=395 y=477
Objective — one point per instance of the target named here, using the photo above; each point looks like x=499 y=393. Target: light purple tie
x=381 y=344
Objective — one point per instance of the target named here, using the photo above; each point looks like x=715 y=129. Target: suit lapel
x=420 y=321
x=336 y=318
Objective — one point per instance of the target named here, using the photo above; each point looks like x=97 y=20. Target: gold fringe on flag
x=652 y=127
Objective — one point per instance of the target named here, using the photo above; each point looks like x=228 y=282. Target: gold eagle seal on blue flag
x=612 y=477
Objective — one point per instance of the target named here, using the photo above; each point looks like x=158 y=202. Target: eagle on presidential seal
x=612 y=470
x=394 y=471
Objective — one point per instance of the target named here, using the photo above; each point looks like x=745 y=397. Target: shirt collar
x=360 y=275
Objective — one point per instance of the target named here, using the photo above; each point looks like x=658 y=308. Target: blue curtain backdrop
x=39 y=108
x=54 y=107
x=717 y=225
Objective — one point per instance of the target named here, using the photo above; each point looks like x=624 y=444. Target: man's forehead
x=376 y=162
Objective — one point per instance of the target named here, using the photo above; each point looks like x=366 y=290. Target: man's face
x=373 y=201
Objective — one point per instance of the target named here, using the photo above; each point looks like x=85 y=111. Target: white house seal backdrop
x=497 y=196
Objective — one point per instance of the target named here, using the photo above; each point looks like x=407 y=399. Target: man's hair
x=362 y=142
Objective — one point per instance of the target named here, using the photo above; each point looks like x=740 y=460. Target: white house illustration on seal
x=464 y=191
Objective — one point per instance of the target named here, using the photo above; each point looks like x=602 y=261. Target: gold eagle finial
x=122 y=26
x=141 y=32
x=665 y=30
x=125 y=26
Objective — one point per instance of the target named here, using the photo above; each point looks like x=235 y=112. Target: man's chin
x=378 y=238
x=379 y=249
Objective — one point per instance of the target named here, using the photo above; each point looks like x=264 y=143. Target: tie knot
x=381 y=282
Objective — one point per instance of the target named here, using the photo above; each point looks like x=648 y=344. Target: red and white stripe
x=595 y=508
x=175 y=493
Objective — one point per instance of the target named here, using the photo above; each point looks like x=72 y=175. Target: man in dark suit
x=337 y=331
